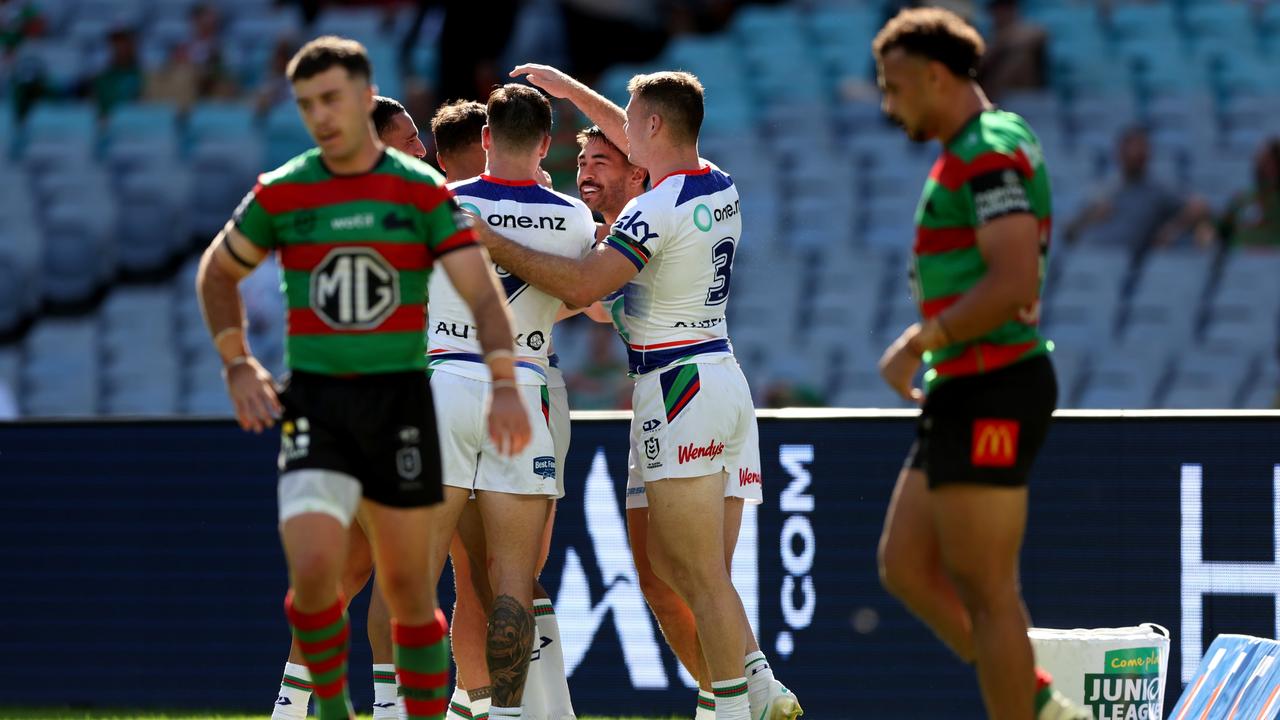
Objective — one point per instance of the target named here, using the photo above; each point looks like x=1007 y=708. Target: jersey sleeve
x=444 y=224
x=1000 y=186
x=253 y=221
x=638 y=233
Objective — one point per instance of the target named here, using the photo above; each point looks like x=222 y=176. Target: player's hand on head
x=508 y=422
x=253 y=395
x=549 y=79
x=899 y=364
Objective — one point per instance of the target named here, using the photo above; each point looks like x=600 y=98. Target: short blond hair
x=675 y=95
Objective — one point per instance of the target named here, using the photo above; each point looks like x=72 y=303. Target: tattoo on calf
x=508 y=649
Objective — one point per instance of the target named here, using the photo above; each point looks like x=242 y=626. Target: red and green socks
x=422 y=661
x=324 y=639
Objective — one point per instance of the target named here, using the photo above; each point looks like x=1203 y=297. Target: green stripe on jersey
x=993 y=166
x=350 y=248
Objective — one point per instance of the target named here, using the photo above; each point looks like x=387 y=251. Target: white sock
x=386 y=692
x=731 y=699
x=459 y=706
x=504 y=713
x=533 y=703
x=550 y=653
x=706 y=706
x=480 y=708
x=291 y=703
x=759 y=680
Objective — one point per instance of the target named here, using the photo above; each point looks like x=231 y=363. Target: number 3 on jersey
x=722 y=261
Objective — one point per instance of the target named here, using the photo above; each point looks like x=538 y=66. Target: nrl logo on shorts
x=544 y=466
x=651 y=448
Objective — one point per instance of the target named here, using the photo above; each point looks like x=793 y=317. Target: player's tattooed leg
x=507 y=649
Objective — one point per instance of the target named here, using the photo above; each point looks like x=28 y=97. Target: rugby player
x=954 y=527
x=513 y=498
x=607 y=181
x=456 y=128
x=694 y=424
x=358 y=228
x=396 y=129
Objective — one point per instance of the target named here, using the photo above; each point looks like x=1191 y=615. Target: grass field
x=68 y=714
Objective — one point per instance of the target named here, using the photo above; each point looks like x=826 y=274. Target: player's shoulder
x=683 y=188
x=524 y=192
x=995 y=131
x=410 y=168
x=303 y=167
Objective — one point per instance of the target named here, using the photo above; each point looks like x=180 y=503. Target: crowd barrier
x=142 y=567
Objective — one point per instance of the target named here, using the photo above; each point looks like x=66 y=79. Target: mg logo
x=354 y=288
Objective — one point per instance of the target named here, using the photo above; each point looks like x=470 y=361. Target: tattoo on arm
x=508 y=649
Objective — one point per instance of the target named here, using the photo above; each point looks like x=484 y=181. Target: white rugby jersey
x=537 y=218
x=681 y=235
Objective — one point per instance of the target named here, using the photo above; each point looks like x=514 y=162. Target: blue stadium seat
x=1124 y=378
x=80 y=245
x=59 y=135
x=154 y=216
x=286 y=136
x=142 y=120
x=226 y=120
x=362 y=24
x=60 y=63
x=60 y=368
x=113 y=12
x=1152 y=20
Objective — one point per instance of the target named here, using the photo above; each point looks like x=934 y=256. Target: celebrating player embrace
x=694 y=426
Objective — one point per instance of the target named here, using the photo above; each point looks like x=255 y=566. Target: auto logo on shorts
x=995 y=443
x=535 y=340
x=409 y=435
x=544 y=466
x=651 y=448
x=651 y=425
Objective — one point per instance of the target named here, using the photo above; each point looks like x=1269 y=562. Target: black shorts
x=986 y=429
x=378 y=429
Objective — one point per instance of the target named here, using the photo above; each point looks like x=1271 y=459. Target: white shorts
x=559 y=420
x=467 y=455
x=694 y=420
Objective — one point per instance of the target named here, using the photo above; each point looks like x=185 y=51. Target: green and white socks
x=731 y=699
x=386 y=692
x=295 y=693
x=462 y=707
x=706 y=706
x=759 y=681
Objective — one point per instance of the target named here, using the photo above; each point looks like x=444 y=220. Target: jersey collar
x=700 y=171
x=381 y=157
x=511 y=183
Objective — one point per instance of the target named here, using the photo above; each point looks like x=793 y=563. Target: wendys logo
x=747 y=477
x=691 y=452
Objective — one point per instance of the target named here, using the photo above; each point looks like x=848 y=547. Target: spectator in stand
x=175 y=82
x=1135 y=211
x=1252 y=219
x=1017 y=54
x=19 y=21
x=121 y=80
x=205 y=52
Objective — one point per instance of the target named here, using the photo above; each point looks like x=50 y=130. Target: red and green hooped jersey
x=355 y=252
x=991 y=168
